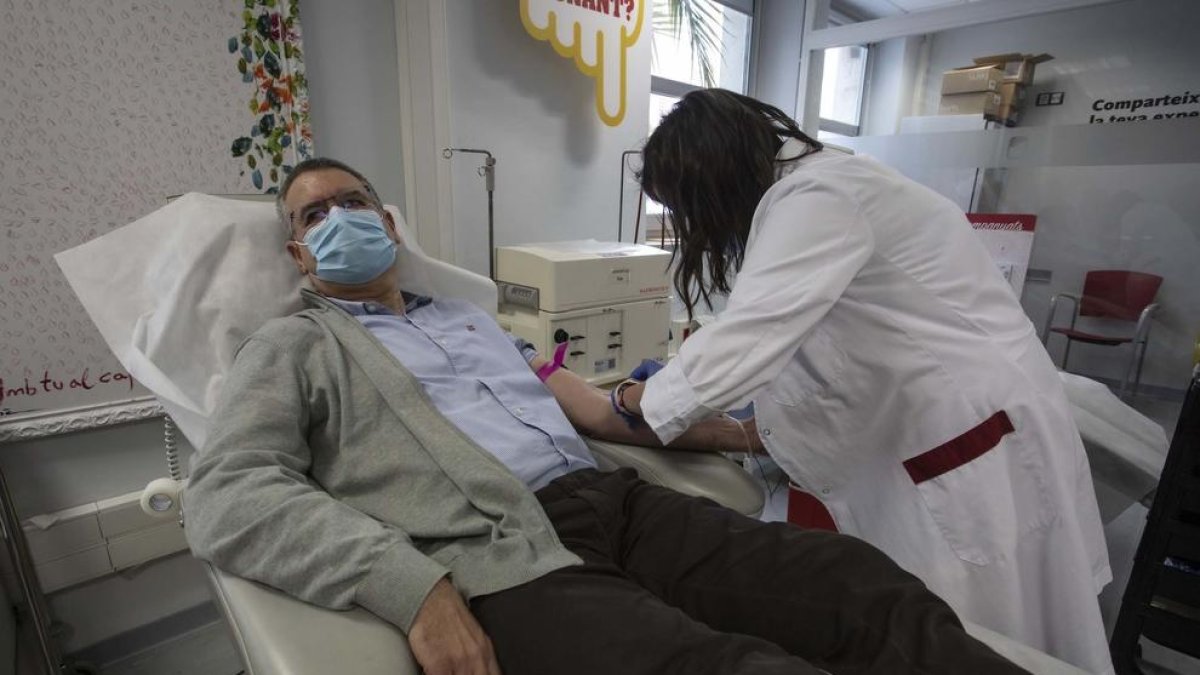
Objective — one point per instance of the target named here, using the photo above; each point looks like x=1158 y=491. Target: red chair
x=1111 y=294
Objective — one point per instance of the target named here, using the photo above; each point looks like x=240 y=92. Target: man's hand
x=446 y=639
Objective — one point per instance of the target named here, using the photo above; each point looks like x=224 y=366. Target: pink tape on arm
x=554 y=364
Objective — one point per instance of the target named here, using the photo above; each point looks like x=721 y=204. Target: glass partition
x=1100 y=143
x=1105 y=198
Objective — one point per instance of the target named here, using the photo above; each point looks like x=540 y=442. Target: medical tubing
x=752 y=455
x=172 y=449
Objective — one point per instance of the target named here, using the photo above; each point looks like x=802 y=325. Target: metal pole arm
x=1143 y=325
x=488 y=171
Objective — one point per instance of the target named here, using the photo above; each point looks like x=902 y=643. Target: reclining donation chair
x=1111 y=294
x=202 y=273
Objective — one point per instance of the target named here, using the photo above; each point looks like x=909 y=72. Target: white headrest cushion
x=199 y=276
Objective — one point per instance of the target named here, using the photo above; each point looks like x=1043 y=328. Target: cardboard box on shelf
x=1012 y=100
x=1016 y=67
x=1008 y=117
x=986 y=103
x=971 y=79
x=1012 y=94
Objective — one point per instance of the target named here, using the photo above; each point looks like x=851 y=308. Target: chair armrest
x=1023 y=655
x=700 y=474
x=276 y=634
x=1143 y=324
x=1050 y=313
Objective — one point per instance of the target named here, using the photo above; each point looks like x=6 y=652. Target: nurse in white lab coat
x=895 y=377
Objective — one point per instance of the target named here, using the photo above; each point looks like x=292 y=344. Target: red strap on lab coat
x=807 y=511
x=958 y=451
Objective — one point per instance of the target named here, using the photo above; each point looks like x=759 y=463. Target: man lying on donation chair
x=401 y=454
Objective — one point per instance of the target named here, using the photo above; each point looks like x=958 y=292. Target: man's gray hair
x=317 y=164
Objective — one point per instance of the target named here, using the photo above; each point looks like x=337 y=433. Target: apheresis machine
x=608 y=302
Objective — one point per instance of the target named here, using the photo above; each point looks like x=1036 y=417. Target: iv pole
x=488 y=171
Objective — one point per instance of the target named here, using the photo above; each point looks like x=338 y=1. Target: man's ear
x=295 y=251
x=391 y=226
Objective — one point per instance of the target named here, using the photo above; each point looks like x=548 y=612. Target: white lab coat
x=869 y=326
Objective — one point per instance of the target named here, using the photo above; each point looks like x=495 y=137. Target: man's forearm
x=590 y=411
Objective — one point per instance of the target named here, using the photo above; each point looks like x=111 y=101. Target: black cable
x=637 y=223
x=621 y=195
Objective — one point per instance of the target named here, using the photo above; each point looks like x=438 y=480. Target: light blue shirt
x=478 y=376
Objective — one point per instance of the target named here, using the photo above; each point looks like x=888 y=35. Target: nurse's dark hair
x=709 y=162
x=317 y=164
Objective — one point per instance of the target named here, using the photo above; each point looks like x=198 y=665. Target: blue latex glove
x=645 y=370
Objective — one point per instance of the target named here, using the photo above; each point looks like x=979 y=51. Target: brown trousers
x=677 y=584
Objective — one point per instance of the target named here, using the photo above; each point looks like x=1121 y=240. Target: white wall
x=59 y=472
x=893 y=79
x=557 y=172
x=353 y=88
x=777 y=69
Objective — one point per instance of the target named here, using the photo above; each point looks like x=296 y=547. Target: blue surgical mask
x=351 y=247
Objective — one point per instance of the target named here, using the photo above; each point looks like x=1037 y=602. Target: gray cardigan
x=329 y=475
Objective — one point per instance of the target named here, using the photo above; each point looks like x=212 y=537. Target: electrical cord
x=637 y=223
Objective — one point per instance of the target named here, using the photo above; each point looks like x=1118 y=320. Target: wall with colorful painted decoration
x=109 y=109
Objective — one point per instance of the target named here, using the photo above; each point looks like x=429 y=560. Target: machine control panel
x=605 y=343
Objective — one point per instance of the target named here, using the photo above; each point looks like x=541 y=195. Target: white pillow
x=200 y=275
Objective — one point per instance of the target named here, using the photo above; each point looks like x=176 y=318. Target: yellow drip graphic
x=622 y=30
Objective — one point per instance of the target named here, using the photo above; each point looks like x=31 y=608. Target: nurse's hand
x=645 y=370
x=446 y=639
